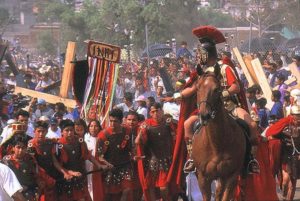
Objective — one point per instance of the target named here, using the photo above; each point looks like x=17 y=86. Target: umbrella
x=289 y=45
x=157 y=50
x=258 y=45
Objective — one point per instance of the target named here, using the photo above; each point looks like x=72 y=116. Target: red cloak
x=188 y=105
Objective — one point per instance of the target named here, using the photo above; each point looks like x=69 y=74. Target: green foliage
x=46 y=44
x=165 y=19
x=4 y=16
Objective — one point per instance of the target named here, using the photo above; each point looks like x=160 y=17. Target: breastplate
x=24 y=170
x=160 y=141
x=74 y=162
x=115 y=153
x=43 y=155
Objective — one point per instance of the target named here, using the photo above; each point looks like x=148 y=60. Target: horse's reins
x=295 y=150
x=212 y=112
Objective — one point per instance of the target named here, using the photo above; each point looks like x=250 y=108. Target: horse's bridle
x=211 y=110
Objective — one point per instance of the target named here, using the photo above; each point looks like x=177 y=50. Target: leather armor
x=116 y=150
x=42 y=153
x=25 y=170
x=160 y=146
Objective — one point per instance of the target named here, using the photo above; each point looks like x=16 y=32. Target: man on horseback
x=288 y=129
x=235 y=104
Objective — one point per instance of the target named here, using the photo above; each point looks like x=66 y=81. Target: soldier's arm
x=187 y=92
x=58 y=166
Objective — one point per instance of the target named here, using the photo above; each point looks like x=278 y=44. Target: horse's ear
x=217 y=70
x=199 y=70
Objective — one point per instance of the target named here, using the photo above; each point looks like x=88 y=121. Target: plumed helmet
x=208 y=36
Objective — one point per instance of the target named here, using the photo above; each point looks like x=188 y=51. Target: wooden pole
x=48 y=97
x=263 y=82
x=243 y=65
x=68 y=70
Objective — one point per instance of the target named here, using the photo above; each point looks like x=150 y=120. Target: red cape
x=141 y=172
x=241 y=95
x=261 y=187
x=276 y=128
x=188 y=105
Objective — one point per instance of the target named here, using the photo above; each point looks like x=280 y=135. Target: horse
x=219 y=147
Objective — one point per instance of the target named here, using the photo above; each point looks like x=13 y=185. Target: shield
x=157 y=50
x=258 y=45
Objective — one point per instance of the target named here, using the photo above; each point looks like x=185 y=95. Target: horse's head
x=208 y=97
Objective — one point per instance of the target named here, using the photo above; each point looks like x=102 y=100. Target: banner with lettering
x=103 y=62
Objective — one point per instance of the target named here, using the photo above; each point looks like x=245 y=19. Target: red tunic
x=72 y=157
x=158 y=151
x=261 y=187
x=115 y=148
x=42 y=153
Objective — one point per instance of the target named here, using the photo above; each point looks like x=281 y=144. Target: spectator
x=183 y=51
x=42 y=110
x=44 y=82
x=277 y=108
x=127 y=104
x=281 y=86
x=22 y=117
x=272 y=74
x=53 y=131
x=80 y=128
x=61 y=108
x=262 y=112
x=141 y=106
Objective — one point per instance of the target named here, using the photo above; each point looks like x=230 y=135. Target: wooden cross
x=65 y=82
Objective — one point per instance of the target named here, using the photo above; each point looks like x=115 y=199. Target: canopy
x=157 y=50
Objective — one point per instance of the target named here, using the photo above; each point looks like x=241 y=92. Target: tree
x=45 y=43
x=264 y=14
x=4 y=17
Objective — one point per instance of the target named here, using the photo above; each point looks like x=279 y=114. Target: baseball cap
x=53 y=121
x=41 y=101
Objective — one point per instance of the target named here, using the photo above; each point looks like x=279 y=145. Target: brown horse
x=220 y=145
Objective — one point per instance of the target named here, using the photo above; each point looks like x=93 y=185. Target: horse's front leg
x=205 y=186
x=230 y=185
x=219 y=189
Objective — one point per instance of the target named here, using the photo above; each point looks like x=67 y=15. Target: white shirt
x=53 y=134
x=9 y=183
x=91 y=145
x=124 y=107
x=143 y=111
x=173 y=109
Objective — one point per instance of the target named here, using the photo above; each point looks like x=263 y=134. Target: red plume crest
x=209 y=32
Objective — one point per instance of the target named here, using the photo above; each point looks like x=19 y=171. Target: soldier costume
x=42 y=152
x=155 y=141
x=115 y=148
x=287 y=129
x=72 y=153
